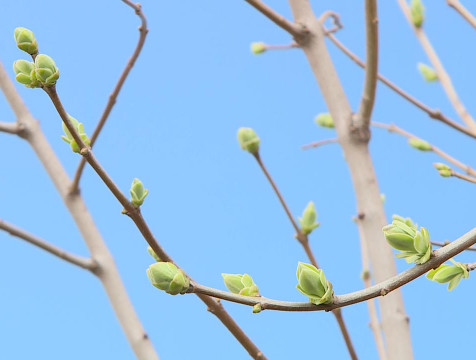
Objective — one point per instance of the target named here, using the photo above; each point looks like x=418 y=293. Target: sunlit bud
x=417 y=12
x=256 y=308
x=313 y=284
x=441 y=166
x=248 y=140
x=138 y=193
x=46 y=71
x=26 y=41
x=25 y=73
x=308 y=221
x=445 y=173
x=428 y=73
x=241 y=284
x=420 y=144
x=258 y=48
x=153 y=254
x=69 y=138
x=324 y=120
x=166 y=276
x=451 y=274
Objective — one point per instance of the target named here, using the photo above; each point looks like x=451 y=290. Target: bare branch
x=441 y=244
x=85 y=263
x=143 y=30
x=440 y=70
x=320 y=143
x=381 y=289
x=10 y=128
x=362 y=119
x=463 y=177
x=433 y=113
x=294 y=29
x=455 y=4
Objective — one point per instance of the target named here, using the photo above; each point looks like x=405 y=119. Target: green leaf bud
x=308 y=221
x=241 y=284
x=428 y=73
x=313 y=284
x=167 y=277
x=417 y=12
x=383 y=198
x=451 y=274
x=69 y=138
x=258 y=48
x=26 y=41
x=441 y=166
x=445 y=173
x=420 y=144
x=324 y=120
x=248 y=140
x=46 y=71
x=257 y=308
x=153 y=254
x=138 y=193
x=25 y=73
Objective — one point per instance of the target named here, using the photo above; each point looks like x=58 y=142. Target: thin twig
x=441 y=244
x=320 y=143
x=432 y=113
x=463 y=177
x=85 y=263
x=471 y=266
x=443 y=76
x=455 y=4
x=294 y=29
x=143 y=30
x=134 y=213
x=381 y=289
x=395 y=129
x=361 y=121
x=10 y=127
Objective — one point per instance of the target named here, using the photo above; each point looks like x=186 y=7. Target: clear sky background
x=174 y=127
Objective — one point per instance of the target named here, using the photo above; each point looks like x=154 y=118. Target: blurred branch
x=320 y=143
x=440 y=70
x=463 y=177
x=361 y=120
x=455 y=4
x=432 y=113
x=85 y=263
x=10 y=127
x=143 y=30
x=380 y=289
x=441 y=244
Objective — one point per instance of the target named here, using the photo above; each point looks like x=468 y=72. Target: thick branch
x=440 y=70
x=380 y=289
x=85 y=263
x=362 y=120
x=455 y=4
x=143 y=30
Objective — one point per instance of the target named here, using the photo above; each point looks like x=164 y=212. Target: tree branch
x=318 y=143
x=432 y=113
x=85 y=263
x=143 y=30
x=441 y=244
x=463 y=177
x=10 y=127
x=440 y=70
x=455 y=4
x=362 y=119
x=380 y=289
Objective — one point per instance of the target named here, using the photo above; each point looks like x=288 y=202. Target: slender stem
x=134 y=213
x=143 y=30
x=440 y=70
x=455 y=4
x=292 y=45
x=395 y=129
x=320 y=143
x=294 y=29
x=361 y=121
x=463 y=177
x=85 y=263
x=380 y=289
x=432 y=113
x=9 y=127
x=441 y=244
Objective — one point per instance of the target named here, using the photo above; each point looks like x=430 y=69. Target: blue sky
x=174 y=127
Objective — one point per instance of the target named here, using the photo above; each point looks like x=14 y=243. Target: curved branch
x=455 y=4
x=85 y=263
x=143 y=30
x=381 y=289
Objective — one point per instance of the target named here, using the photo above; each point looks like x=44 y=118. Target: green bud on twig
x=443 y=169
x=308 y=221
x=451 y=274
x=69 y=138
x=46 y=71
x=25 y=40
x=313 y=284
x=420 y=144
x=248 y=140
x=168 y=277
x=241 y=284
x=428 y=73
x=417 y=11
x=138 y=193
x=258 y=48
x=153 y=254
x=324 y=120
x=402 y=234
x=25 y=73
x=257 y=308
